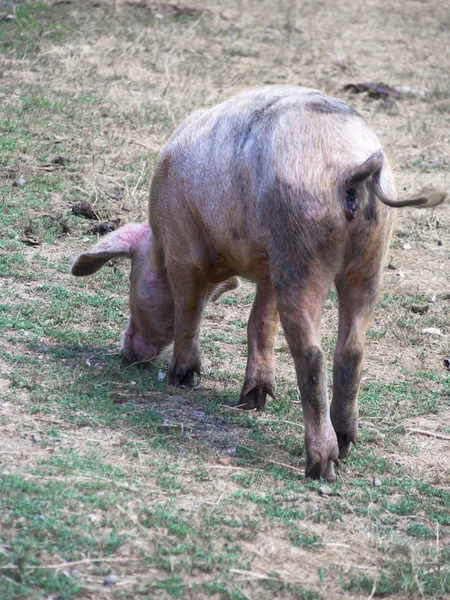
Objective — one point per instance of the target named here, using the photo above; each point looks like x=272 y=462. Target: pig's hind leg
x=300 y=299
x=357 y=286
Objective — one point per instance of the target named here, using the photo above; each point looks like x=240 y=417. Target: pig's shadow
x=202 y=420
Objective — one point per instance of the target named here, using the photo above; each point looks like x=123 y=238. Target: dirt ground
x=140 y=68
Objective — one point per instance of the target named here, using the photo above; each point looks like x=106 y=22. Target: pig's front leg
x=261 y=330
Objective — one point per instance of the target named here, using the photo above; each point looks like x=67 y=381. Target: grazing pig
x=150 y=327
x=291 y=189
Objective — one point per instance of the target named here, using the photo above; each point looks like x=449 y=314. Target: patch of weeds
x=273 y=506
x=420 y=531
x=160 y=516
x=245 y=479
x=23 y=33
x=401 y=573
x=45 y=518
x=302 y=539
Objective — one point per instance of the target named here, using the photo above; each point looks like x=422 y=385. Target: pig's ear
x=122 y=242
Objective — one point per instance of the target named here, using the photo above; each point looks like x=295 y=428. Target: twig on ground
x=441 y=436
x=331 y=544
x=286 y=466
x=71 y=563
x=252 y=574
x=374 y=587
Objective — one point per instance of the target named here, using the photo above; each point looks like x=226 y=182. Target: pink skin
x=135 y=348
x=150 y=327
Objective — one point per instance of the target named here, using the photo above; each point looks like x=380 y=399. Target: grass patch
x=114 y=483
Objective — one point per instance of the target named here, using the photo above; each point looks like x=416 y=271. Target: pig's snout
x=135 y=348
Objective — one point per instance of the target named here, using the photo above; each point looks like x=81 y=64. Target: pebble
x=111 y=579
x=432 y=331
x=325 y=490
x=376 y=481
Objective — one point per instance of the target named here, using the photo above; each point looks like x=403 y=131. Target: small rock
x=35 y=438
x=432 y=331
x=439 y=242
x=3 y=550
x=92 y=518
x=401 y=275
x=446 y=363
x=325 y=491
x=400 y=462
x=376 y=481
x=161 y=376
x=19 y=182
x=111 y=579
x=407 y=246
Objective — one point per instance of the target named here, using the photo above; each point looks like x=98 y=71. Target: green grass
x=22 y=33
x=55 y=329
x=171 y=491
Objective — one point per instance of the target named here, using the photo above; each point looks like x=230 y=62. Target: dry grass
x=140 y=67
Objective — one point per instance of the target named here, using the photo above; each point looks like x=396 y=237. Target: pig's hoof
x=346 y=432
x=254 y=396
x=320 y=463
x=180 y=374
x=345 y=441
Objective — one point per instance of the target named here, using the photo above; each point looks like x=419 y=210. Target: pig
x=289 y=188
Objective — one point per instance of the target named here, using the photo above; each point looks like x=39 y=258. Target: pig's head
x=150 y=326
